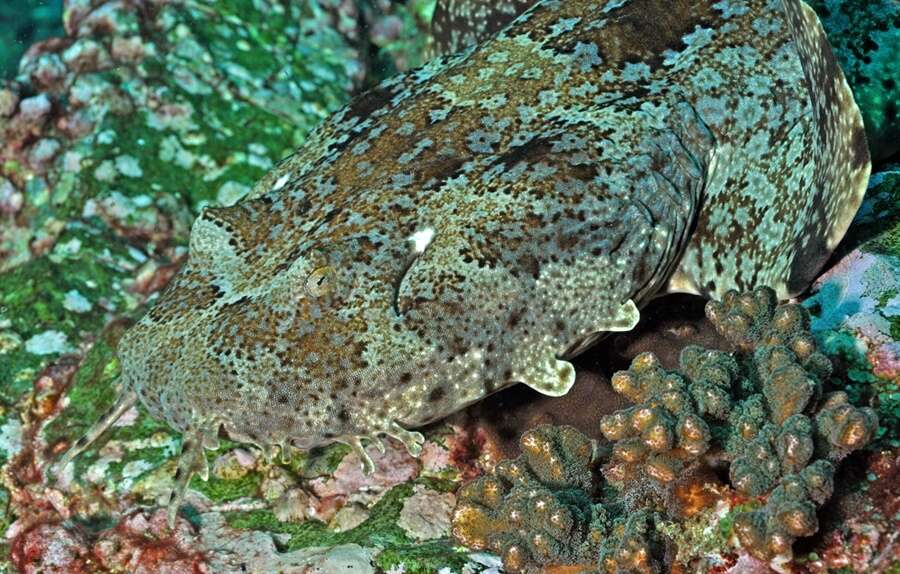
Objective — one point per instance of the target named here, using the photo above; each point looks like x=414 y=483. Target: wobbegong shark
x=476 y=222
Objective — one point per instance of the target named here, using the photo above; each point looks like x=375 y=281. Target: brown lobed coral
x=534 y=509
x=537 y=510
x=665 y=430
x=763 y=410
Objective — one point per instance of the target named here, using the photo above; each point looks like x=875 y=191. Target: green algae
x=229 y=142
x=224 y=490
x=320 y=461
x=222 y=90
x=248 y=45
x=440 y=484
x=92 y=391
x=36 y=302
x=263 y=44
x=380 y=529
x=422 y=558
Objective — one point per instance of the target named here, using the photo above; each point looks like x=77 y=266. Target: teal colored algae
x=865 y=296
x=23 y=22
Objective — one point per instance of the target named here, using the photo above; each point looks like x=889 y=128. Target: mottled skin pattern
x=469 y=224
x=457 y=24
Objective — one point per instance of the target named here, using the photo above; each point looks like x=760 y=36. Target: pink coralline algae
x=140 y=544
x=393 y=466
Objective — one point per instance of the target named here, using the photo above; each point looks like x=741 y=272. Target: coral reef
x=84 y=243
x=534 y=509
x=762 y=410
x=789 y=512
x=784 y=424
x=664 y=431
x=633 y=546
x=856 y=304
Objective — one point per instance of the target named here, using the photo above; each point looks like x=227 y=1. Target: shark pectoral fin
x=544 y=372
x=624 y=319
x=412 y=440
x=550 y=376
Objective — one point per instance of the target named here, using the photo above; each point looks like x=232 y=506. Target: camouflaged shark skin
x=470 y=224
x=458 y=24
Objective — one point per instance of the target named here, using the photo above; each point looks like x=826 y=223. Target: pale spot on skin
x=281 y=181
x=421 y=239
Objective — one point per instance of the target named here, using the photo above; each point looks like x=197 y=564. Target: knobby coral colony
x=767 y=410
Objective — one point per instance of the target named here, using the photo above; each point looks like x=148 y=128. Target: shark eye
x=320 y=282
